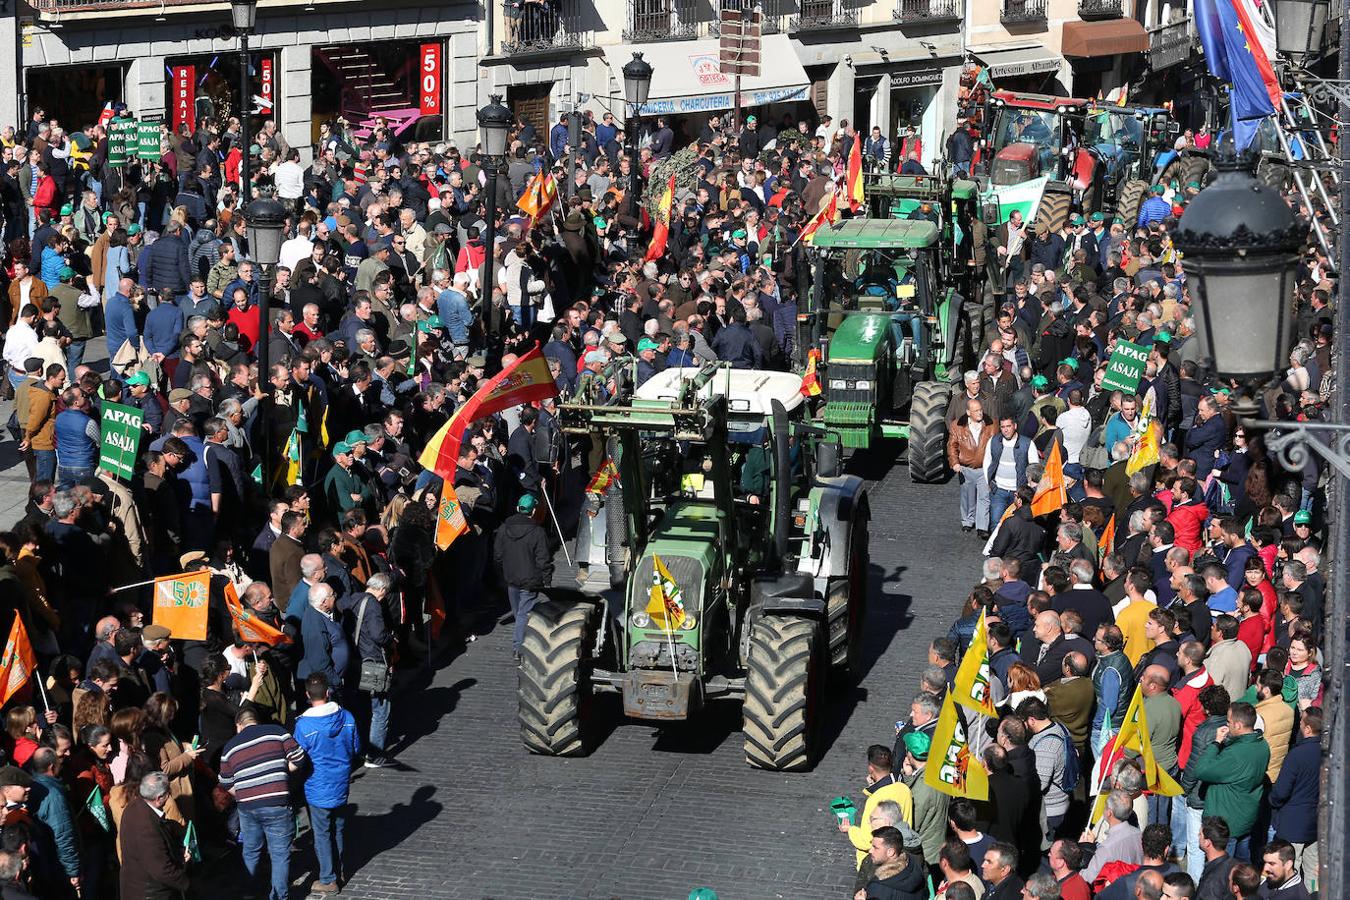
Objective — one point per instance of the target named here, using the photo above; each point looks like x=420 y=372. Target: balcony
x=1100 y=9
x=1023 y=12
x=821 y=14
x=50 y=11
x=1169 y=44
x=924 y=12
x=545 y=27
x=665 y=20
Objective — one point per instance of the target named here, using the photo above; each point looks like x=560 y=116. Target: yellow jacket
x=861 y=834
x=1131 y=623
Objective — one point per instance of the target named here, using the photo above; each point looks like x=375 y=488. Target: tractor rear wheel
x=1187 y=168
x=784 y=687
x=1274 y=174
x=928 y=431
x=554 y=690
x=1054 y=209
x=1127 y=204
x=846 y=605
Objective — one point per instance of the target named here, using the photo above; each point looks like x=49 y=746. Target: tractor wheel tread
x=786 y=665
x=551 y=691
x=927 y=451
x=1127 y=202
x=1054 y=209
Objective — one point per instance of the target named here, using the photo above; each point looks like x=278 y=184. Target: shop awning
x=1032 y=59
x=686 y=77
x=1104 y=38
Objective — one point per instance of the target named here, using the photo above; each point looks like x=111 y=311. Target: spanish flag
x=450 y=521
x=971 y=686
x=828 y=215
x=666 y=607
x=527 y=380
x=952 y=768
x=247 y=626
x=853 y=181
x=607 y=474
x=661 y=230
x=1051 y=492
x=540 y=194
x=18 y=663
x=811 y=378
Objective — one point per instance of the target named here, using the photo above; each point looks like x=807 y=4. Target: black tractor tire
x=1187 y=168
x=616 y=537
x=1274 y=174
x=927 y=451
x=846 y=606
x=1127 y=204
x=1054 y=209
x=784 y=687
x=554 y=693
x=971 y=327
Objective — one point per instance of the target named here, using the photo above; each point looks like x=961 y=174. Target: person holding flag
x=521 y=552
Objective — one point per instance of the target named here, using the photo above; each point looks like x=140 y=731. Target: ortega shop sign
x=719 y=101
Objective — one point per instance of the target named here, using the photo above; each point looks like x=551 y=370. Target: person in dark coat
x=999 y=871
x=1295 y=796
x=1208 y=434
x=154 y=861
x=735 y=344
x=521 y=552
x=898 y=875
x=520 y=455
x=1020 y=538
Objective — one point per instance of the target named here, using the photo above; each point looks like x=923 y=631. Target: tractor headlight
x=689 y=623
x=838 y=384
x=862 y=385
x=641 y=620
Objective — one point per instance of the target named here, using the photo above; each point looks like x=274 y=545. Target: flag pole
x=543 y=489
x=127 y=587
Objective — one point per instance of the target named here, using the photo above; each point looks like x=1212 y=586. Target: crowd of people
x=297 y=491
x=1182 y=568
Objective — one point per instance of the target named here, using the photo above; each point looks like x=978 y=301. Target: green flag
x=190 y=842
x=412 y=357
x=94 y=804
x=256 y=475
x=302 y=421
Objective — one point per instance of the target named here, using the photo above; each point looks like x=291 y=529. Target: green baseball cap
x=917 y=744
x=355 y=437
x=526 y=503
x=1193 y=184
x=703 y=893
x=1302 y=517
x=341 y=447
x=1163 y=337
x=648 y=344
x=738 y=233
x=66 y=273
x=1040 y=381
x=1158 y=189
x=133 y=228
x=108 y=215
x=67 y=210
x=1076 y=219
x=138 y=378
x=1097 y=217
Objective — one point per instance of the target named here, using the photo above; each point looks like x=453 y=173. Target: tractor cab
x=1032 y=135
x=1132 y=141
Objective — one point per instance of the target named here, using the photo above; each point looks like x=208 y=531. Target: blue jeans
x=379 y=722
x=44 y=462
x=15 y=379
x=274 y=825
x=999 y=501
x=68 y=476
x=328 y=826
x=74 y=358
x=1159 y=809
x=522 y=601
x=1240 y=848
x=1179 y=825
x=1195 y=858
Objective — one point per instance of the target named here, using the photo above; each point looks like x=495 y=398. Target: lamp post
x=637 y=84
x=1240 y=241
x=265 y=218
x=244 y=15
x=494 y=123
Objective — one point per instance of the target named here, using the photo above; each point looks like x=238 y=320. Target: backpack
x=1072 y=765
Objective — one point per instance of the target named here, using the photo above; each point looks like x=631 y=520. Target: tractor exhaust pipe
x=782 y=479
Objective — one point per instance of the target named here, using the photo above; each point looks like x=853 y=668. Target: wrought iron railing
x=1169 y=44
x=1101 y=9
x=539 y=26
x=664 y=20
x=1018 y=12
x=913 y=12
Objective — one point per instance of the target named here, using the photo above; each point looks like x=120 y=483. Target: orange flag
x=853 y=182
x=540 y=194
x=19 y=661
x=661 y=232
x=180 y=604
x=1051 y=492
x=247 y=626
x=1108 y=536
x=450 y=522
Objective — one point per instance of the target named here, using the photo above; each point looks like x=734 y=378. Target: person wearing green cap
x=930 y=805
x=343 y=486
x=1155 y=208
x=525 y=561
x=648 y=350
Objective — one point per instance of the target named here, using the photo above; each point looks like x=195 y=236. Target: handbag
x=374 y=673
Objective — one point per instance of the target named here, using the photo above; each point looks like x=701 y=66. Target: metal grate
x=539 y=27
x=916 y=11
x=1023 y=11
x=1101 y=9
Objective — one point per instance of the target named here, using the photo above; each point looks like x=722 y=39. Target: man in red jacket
x=1188 y=515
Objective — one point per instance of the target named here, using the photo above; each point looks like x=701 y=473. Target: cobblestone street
x=652 y=812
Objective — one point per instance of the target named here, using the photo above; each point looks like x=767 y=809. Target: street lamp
x=494 y=124
x=264 y=220
x=1240 y=241
x=637 y=85
x=244 y=15
x=1298 y=27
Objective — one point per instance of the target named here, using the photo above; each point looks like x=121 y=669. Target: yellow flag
x=1149 y=434
x=952 y=768
x=971 y=686
x=665 y=606
x=1133 y=735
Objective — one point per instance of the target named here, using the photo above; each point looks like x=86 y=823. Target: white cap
x=461 y=278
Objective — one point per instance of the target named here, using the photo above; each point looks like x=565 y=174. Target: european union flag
x=1249 y=99
x=1208 y=27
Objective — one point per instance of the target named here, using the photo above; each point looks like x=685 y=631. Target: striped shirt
x=254 y=765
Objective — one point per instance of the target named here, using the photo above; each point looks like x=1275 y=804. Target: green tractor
x=892 y=315
x=729 y=500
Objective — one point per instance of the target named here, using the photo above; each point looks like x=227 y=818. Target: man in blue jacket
x=120 y=319
x=164 y=264
x=1206 y=436
x=1295 y=796
x=329 y=736
x=51 y=805
x=327 y=650
x=163 y=327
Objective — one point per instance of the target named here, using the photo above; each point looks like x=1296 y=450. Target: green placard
x=1125 y=368
x=147 y=140
x=120 y=133
x=121 y=428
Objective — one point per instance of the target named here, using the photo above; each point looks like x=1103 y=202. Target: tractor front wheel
x=927 y=451
x=784 y=687
x=554 y=690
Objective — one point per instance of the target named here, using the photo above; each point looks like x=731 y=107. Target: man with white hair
x=154 y=862
x=453 y=307
x=973 y=390
x=327 y=650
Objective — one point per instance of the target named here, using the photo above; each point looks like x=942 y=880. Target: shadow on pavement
x=419 y=708
x=371 y=835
